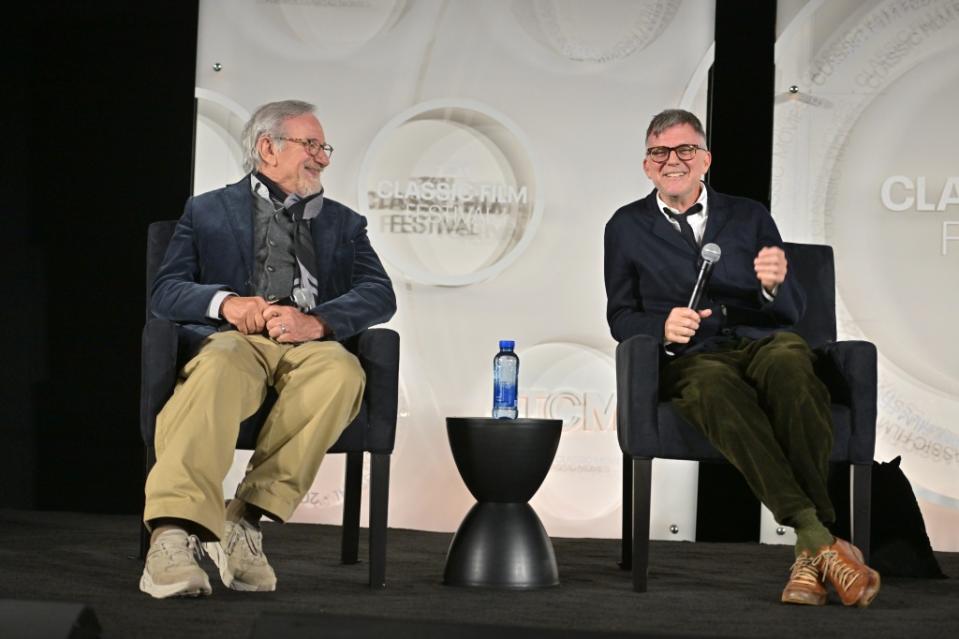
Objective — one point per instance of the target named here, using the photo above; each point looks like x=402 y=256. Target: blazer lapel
x=663 y=229
x=325 y=231
x=238 y=202
x=718 y=215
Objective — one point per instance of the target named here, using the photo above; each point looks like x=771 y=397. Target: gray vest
x=274 y=258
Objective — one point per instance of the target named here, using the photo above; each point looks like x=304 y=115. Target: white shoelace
x=252 y=537
x=171 y=544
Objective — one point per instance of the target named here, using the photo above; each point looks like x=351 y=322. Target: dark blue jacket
x=212 y=250
x=650 y=269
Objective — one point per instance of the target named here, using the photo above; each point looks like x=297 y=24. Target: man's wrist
x=215 y=309
x=319 y=326
x=326 y=328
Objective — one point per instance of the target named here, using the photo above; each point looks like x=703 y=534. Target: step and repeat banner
x=487 y=143
x=864 y=159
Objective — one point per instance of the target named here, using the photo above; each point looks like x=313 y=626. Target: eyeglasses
x=312 y=146
x=660 y=154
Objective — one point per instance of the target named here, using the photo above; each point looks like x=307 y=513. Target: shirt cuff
x=666 y=345
x=213 y=310
x=769 y=297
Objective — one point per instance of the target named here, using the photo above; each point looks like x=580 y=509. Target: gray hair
x=268 y=120
x=674 y=117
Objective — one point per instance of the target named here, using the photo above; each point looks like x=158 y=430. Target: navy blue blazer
x=650 y=269
x=212 y=250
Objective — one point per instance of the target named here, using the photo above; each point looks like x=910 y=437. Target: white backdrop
x=488 y=143
x=865 y=160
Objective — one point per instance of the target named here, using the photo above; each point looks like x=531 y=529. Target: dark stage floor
x=695 y=589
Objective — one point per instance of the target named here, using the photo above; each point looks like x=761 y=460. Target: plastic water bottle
x=505 y=377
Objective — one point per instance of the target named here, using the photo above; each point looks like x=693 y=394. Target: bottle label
x=505 y=377
x=505 y=395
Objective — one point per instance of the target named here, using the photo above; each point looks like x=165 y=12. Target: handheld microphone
x=710 y=255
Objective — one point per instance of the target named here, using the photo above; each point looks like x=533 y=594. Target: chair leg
x=149 y=459
x=379 y=509
x=861 y=507
x=352 y=493
x=626 y=563
x=642 y=483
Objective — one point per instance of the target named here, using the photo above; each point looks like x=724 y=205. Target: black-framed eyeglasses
x=312 y=146
x=660 y=154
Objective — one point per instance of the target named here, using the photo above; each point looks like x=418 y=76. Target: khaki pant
x=320 y=387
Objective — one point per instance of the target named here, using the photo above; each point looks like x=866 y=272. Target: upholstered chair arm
x=849 y=370
x=158 y=370
x=378 y=350
x=637 y=393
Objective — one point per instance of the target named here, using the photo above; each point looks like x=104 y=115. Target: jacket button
x=270 y=269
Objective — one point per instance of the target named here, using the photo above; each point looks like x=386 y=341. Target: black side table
x=501 y=542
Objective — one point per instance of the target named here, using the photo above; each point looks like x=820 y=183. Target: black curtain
x=740 y=129
x=100 y=143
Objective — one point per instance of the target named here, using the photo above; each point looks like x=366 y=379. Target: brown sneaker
x=805 y=584
x=855 y=582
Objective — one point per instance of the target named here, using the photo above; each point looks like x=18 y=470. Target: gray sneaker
x=171 y=568
x=239 y=556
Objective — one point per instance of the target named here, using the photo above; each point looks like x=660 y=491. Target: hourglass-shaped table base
x=501 y=542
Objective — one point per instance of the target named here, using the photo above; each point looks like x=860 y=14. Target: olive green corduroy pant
x=320 y=387
x=761 y=405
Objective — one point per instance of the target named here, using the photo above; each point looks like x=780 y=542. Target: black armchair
x=372 y=431
x=649 y=428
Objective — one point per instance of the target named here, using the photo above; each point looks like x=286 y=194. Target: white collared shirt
x=697 y=221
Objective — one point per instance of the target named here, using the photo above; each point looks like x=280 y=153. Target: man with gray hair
x=265 y=278
x=731 y=366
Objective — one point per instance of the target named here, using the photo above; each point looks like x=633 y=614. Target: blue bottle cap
x=506 y=343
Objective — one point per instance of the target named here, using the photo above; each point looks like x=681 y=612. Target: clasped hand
x=287 y=324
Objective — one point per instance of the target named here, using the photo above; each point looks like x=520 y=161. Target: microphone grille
x=711 y=253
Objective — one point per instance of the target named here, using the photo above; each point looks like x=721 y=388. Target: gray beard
x=306 y=189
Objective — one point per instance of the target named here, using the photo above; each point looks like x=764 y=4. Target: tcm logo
x=903 y=193
x=586 y=411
